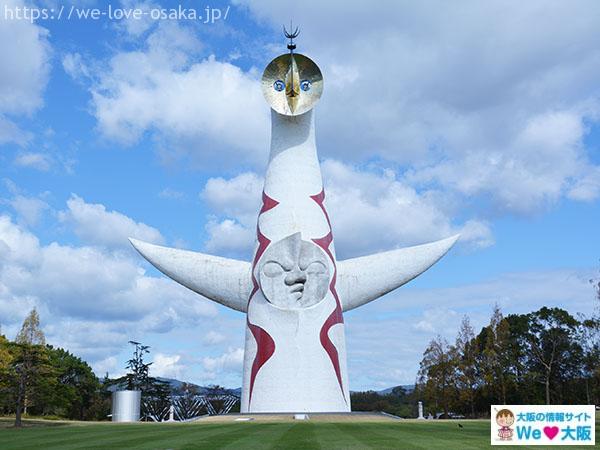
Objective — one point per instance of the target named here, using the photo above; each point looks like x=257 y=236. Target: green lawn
x=241 y=435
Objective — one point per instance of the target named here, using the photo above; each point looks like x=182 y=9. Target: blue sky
x=481 y=119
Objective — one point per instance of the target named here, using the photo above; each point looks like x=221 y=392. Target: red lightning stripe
x=263 y=243
x=265 y=345
x=268 y=203
x=319 y=199
x=336 y=315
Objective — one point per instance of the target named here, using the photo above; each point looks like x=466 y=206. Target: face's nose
x=295 y=276
x=292 y=84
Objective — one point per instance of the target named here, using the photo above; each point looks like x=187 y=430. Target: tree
x=74 y=389
x=30 y=362
x=6 y=360
x=137 y=378
x=156 y=393
x=29 y=367
x=466 y=348
x=31 y=333
x=590 y=338
x=552 y=341
x=495 y=361
x=437 y=374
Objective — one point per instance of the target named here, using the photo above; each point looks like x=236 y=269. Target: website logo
x=542 y=425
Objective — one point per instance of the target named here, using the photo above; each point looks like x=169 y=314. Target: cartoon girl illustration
x=505 y=418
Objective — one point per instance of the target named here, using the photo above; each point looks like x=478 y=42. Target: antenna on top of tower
x=291 y=35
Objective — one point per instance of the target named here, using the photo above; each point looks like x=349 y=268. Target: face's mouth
x=297 y=288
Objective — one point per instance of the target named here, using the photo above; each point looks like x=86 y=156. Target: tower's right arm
x=225 y=281
x=364 y=279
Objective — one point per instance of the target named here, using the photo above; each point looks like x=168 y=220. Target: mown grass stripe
x=256 y=435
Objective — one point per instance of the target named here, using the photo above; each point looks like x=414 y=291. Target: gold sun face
x=292 y=84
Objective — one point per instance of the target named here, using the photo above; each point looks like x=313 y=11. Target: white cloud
x=74 y=65
x=25 y=53
x=29 y=209
x=107 y=365
x=437 y=320
x=38 y=161
x=95 y=225
x=9 y=132
x=231 y=360
x=168 y=366
x=136 y=27
x=379 y=211
x=369 y=210
x=506 y=129
x=236 y=202
x=214 y=337
x=171 y=194
x=92 y=301
x=229 y=237
x=237 y=197
x=482 y=99
x=207 y=109
x=533 y=171
x=588 y=187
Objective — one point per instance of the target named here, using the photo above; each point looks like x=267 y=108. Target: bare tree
x=466 y=348
x=28 y=337
x=496 y=347
x=31 y=333
x=437 y=373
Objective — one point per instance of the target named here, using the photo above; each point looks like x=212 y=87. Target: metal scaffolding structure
x=185 y=407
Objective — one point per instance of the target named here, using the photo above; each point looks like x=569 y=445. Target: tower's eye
x=279 y=85
x=305 y=85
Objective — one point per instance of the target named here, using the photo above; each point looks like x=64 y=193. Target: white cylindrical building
x=126 y=406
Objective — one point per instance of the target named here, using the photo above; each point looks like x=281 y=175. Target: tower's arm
x=361 y=280
x=226 y=281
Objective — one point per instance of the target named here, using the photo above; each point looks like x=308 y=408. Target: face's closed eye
x=273 y=269
x=316 y=268
x=292 y=84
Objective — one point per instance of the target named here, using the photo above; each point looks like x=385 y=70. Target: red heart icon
x=551 y=432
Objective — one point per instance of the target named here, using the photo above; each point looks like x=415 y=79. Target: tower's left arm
x=225 y=281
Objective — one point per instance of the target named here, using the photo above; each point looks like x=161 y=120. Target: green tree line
x=37 y=379
x=547 y=356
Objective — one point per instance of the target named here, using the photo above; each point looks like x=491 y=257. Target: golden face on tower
x=292 y=84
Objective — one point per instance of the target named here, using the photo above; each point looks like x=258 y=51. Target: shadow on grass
x=9 y=422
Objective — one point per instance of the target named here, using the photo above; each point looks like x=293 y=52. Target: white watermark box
x=543 y=425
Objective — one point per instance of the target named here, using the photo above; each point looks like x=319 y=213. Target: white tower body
x=295 y=358
x=294 y=291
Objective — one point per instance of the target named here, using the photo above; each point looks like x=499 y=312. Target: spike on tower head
x=292 y=83
x=291 y=35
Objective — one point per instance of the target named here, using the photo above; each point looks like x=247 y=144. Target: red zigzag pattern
x=265 y=345
x=264 y=342
x=336 y=315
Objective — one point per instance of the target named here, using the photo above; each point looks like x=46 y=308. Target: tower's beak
x=292 y=85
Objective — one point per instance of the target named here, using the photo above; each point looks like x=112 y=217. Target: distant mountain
x=177 y=387
x=407 y=387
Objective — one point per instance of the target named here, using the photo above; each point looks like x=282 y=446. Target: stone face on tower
x=294 y=291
